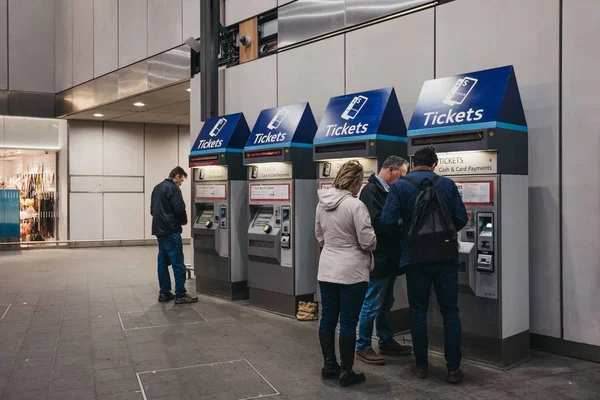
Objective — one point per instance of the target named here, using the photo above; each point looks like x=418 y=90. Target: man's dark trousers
x=445 y=282
x=170 y=251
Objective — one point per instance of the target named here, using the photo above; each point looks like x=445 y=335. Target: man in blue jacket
x=168 y=215
x=399 y=209
x=380 y=295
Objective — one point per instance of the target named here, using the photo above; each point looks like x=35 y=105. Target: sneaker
x=370 y=357
x=455 y=376
x=165 y=297
x=395 y=349
x=420 y=373
x=186 y=298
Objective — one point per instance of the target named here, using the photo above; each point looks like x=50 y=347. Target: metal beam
x=210 y=11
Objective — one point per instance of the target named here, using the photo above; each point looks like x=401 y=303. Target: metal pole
x=209 y=58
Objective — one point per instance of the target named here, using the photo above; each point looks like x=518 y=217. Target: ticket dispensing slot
x=264 y=233
x=485 y=242
x=205 y=227
x=205 y=217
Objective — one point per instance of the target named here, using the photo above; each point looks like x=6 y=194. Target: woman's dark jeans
x=342 y=302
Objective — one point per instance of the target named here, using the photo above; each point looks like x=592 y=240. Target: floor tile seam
x=21 y=345
x=49 y=394
x=129 y=357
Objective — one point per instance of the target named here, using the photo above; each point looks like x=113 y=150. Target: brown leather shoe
x=455 y=376
x=186 y=299
x=370 y=357
x=420 y=373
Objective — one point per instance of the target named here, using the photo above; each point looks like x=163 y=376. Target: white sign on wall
x=278 y=170
x=211 y=192
x=210 y=173
x=467 y=163
x=330 y=168
x=276 y=192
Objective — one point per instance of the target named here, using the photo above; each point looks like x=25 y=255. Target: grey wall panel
x=186 y=188
x=195 y=120
x=307 y=19
x=63 y=41
x=85 y=148
x=581 y=143
x=239 y=10
x=31 y=45
x=258 y=78
x=133 y=31
x=106 y=34
x=161 y=149
x=123 y=149
x=391 y=68
x=123 y=216
x=191 y=19
x=85 y=216
x=164 y=25
x=83 y=41
x=3 y=104
x=312 y=73
x=3 y=44
x=532 y=46
x=24 y=104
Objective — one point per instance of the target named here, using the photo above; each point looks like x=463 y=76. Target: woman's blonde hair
x=349 y=174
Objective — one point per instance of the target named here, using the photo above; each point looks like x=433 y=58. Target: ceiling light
x=139 y=104
x=98 y=115
x=188 y=89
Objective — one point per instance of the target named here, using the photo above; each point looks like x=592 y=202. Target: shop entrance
x=28 y=201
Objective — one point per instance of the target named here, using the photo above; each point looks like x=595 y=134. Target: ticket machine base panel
x=222 y=289
x=497 y=353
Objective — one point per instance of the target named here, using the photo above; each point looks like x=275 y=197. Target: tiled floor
x=70 y=334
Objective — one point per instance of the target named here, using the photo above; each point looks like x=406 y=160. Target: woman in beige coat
x=343 y=229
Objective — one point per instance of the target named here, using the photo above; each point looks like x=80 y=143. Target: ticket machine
x=281 y=175
x=220 y=198
x=368 y=127
x=477 y=124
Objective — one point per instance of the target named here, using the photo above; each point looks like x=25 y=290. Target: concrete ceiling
x=170 y=105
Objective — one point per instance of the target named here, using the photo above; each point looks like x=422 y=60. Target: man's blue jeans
x=445 y=283
x=343 y=302
x=376 y=309
x=170 y=252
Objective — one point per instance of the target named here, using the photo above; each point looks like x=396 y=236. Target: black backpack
x=431 y=237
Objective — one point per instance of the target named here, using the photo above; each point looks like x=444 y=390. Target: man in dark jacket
x=399 y=208
x=380 y=294
x=168 y=215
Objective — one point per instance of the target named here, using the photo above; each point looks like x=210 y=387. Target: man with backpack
x=380 y=294
x=431 y=212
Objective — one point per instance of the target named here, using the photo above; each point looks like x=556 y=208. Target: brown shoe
x=420 y=373
x=370 y=357
x=395 y=349
x=455 y=376
x=186 y=299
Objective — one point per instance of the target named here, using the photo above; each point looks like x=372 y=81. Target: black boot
x=331 y=368
x=348 y=376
